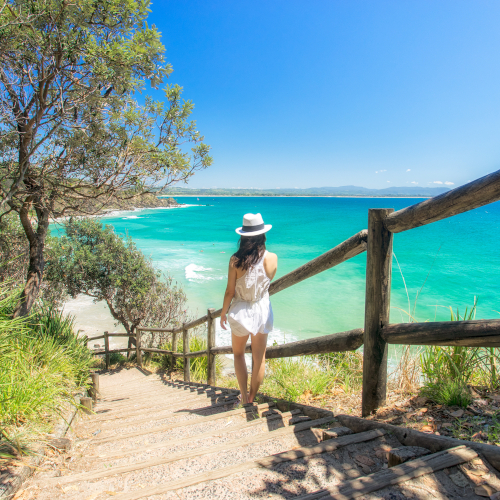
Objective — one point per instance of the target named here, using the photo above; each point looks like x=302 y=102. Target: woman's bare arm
x=228 y=296
x=271 y=264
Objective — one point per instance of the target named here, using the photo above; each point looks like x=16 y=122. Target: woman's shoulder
x=271 y=256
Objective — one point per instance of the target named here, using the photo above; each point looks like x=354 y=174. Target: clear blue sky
x=329 y=93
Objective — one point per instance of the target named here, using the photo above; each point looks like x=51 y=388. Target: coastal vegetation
x=43 y=364
x=71 y=129
x=91 y=259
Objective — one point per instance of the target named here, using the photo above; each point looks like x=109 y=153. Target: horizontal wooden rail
x=192 y=324
x=121 y=334
x=194 y=354
x=89 y=339
x=162 y=330
x=462 y=199
x=475 y=333
x=335 y=342
x=346 y=250
x=103 y=351
x=157 y=351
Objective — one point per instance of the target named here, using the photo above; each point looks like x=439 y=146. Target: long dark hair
x=250 y=250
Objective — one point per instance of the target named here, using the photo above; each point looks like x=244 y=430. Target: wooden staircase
x=160 y=439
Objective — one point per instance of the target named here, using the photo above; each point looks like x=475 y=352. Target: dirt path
x=153 y=438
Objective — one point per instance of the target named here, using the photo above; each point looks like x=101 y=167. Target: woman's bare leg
x=240 y=366
x=259 y=342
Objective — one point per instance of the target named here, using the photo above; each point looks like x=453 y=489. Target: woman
x=251 y=270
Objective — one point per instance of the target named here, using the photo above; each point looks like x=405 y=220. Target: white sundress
x=251 y=310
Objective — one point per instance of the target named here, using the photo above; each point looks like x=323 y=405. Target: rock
x=459 y=479
x=457 y=414
x=484 y=490
x=336 y=432
x=401 y=455
x=61 y=444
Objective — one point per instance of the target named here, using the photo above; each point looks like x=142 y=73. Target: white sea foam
x=133 y=217
x=199 y=273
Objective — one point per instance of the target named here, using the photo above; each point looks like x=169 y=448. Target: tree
x=93 y=260
x=72 y=136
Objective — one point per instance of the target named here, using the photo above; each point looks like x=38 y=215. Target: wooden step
x=251 y=440
x=156 y=403
x=184 y=423
x=160 y=394
x=285 y=417
x=395 y=475
x=266 y=462
x=176 y=412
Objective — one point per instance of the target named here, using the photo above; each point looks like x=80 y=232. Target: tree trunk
x=36 y=263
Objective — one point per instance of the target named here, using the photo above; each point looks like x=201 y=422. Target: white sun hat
x=253 y=224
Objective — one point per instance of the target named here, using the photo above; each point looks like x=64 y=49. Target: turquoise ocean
x=448 y=263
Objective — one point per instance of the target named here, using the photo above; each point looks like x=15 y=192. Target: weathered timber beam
x=344 y=251
x=194 y=354
x=475 y=333
x=192 y=324
x=158 y=351
x=336 y=342
x=462 y=199
x=121 y=334
x=89 y=339
x=164 y=330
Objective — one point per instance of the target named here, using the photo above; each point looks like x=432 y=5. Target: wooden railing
x=377 y=333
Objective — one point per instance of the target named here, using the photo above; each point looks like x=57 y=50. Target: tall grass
x=448 y=371
x=198 y=366
x=42 y=363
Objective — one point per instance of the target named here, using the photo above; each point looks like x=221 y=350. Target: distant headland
x=351 y=191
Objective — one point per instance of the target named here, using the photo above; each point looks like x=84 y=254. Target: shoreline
x=111 y=212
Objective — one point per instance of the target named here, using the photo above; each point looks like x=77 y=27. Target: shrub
x=42 y=364
x=290 y=378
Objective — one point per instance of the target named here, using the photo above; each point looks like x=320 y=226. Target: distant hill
x=417 y=192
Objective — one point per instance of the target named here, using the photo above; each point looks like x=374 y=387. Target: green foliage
x=116 y=358
x=198 y=366
x=73 y=136
x=449 y=370
x=290 y=378
x=346 y=368
x=448 y=392
x=93 y=260
x=43 y=362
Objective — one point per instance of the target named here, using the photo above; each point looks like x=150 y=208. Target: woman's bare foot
x=243 y=399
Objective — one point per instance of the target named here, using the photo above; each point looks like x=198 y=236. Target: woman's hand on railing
x=223 y=321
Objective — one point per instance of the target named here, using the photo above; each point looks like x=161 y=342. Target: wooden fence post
x=94 y=390
x=185 y=350
x=138 y=347
x=377 y=304
x=210 y=344
x=173 y=362
x=106 y=349
x=86 y=405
